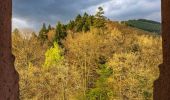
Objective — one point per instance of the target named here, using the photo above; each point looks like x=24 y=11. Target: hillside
x=89 y=58
x=144 y=24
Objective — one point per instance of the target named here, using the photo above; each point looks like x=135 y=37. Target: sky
x=31 y=14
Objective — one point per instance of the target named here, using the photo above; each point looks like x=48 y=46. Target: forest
x=89 y=58
x=144 y=24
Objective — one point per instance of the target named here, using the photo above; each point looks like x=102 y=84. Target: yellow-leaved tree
x=53 y=56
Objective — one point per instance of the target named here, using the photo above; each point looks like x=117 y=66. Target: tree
x=25 y=51
x=78 y=18
x=100 y=13
x=43 y=32
x=51 y=35
x=85 y=22
x=101 y=90
x=71 y=25
x=90 y=20
x=49 y=27
x=81 y=21
x=85 y=15
x=86 y=27
x=53 y=56
x=99 y=22
x=60 y=32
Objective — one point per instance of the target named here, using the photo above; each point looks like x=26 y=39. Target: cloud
x=32 y=13
x=16 y=23
x=130 y=9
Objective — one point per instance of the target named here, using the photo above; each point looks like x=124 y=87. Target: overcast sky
x=31 y=14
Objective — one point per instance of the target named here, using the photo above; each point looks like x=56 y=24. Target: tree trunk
x=9 y=88
x=162 y=85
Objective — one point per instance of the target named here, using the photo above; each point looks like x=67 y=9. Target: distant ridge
x=144 y=24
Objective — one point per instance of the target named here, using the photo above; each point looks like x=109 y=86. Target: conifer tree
x=49 y=27
x=100 y=13
x=71 y=25
x=60 y=32
x=86 y=27
x=43 y=32
x=101 y=90
x=99 y=18
x=79 y=23
x=85 y=15
x=78 y=18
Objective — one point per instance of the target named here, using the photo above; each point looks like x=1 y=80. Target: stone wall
x=9 y=88
x=162 y=85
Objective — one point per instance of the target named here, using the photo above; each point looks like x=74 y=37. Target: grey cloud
x=138 y=9
x=44 y=10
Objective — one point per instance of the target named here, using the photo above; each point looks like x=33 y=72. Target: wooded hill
x=144 y=24
x=90 y=58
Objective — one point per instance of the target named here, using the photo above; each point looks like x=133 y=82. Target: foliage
x=83 y=23
x=60 y=32
x=101 y=90
x=51 y=35
x=144 y=24
x=49 y=27
x=43 y=32
x=110 y=62
x=100 y=13
x=99 y=22
x=53 y=56
x=28 y=50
